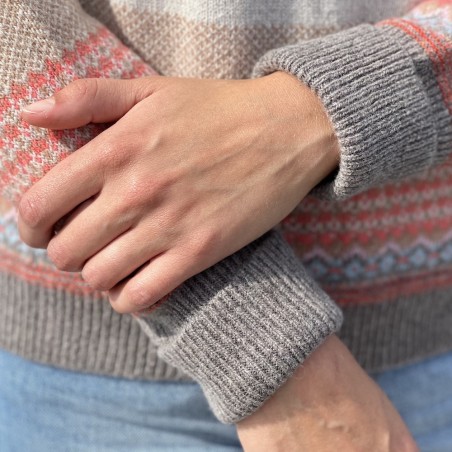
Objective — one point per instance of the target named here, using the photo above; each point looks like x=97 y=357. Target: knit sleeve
x=387 y=90
x=243 y=326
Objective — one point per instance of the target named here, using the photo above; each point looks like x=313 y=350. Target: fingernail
x=41 y=107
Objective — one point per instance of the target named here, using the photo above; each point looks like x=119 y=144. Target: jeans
x=422 y=394
x=46 y=409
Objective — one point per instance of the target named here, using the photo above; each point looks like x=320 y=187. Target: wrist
x=304 y=398
x=312 y=135
x=328 y=404
x=323 y=371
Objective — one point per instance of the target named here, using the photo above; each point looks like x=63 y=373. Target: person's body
x=404 y=107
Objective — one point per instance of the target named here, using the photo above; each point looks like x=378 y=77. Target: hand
x=191 y=172
x=329 y=404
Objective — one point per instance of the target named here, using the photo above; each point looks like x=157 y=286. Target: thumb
x=88 y=100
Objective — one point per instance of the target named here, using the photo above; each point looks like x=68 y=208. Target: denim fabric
x=46 y=409
x=422 y=393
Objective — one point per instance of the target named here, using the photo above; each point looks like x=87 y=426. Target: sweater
x=374 y=237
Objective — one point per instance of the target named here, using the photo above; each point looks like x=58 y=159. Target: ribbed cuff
x=242 y=327
x=385 y=107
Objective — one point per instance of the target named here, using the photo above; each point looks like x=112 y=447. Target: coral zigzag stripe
x=371 y=238
x=28 y=153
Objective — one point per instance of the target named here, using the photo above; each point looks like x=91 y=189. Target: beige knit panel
x=32 y=31
x=175 y=46
x=179 y=45
x=311 y=13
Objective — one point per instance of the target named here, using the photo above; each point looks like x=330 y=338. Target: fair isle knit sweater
x=375 y=239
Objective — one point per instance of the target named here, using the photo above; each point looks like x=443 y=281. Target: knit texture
x=383 y=253
x=46 y=315
x=391 y=117
x=239 y=346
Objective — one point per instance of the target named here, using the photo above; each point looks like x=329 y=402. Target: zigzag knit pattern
x=72 y=45
x=390 y=236
x=385 y=243
x=384 y=254
x=388 y=247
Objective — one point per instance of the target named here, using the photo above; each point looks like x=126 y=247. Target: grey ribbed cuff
x=379 y=90
x=242 y=327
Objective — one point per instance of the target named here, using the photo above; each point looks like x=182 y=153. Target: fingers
x=121 y=258
x=151 y=283
x=66 y=186
x=88 y=100
x=86 y=231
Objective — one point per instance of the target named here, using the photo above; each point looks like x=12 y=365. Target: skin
x=190 y=172
x=330 y=404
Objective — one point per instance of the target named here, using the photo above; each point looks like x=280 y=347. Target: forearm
x=328 y=404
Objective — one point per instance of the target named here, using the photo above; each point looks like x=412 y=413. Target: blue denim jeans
x=46 y=409
x=422 y=393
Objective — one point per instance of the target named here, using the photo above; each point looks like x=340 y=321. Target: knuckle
x=141 y=192
x=96 y=279
x=61 y=257
x=31 y=211
x=112 y=153
x=138 y=297
x=86 y=88
x=160 y=187
x=205 y=244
